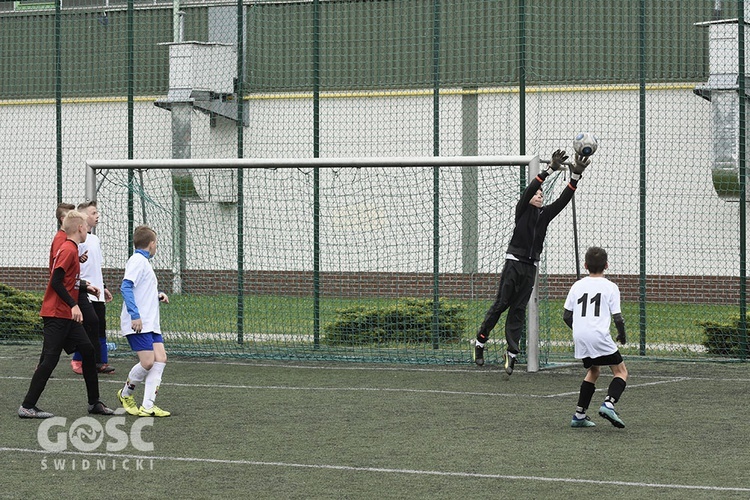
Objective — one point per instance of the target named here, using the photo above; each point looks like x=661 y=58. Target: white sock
x=512 y=355
x=153 y=379
x=479 y=344
x=136 y=376
x=580 y=413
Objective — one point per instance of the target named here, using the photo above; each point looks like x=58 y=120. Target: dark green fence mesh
x=658 y=82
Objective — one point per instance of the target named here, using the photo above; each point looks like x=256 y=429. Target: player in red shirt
x=62 y=323
x=60 y=212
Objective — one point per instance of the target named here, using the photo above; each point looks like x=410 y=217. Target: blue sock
x=103 y=347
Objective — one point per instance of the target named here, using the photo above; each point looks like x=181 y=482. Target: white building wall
x=377 y=225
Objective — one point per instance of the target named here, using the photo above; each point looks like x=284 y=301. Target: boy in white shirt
x=94 y=313
x=139 y=322
x=589 y=308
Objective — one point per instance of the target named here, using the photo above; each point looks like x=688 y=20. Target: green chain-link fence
x=658 y=82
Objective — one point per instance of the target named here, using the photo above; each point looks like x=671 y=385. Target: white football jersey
x=91 y=270
x=146 y=293
x=593 y=302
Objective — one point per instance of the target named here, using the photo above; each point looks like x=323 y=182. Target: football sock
x=512 y=355
x=580 y=413
x=586 y=393
x=151 y=388
x=480 y=344
x=616 y=387
x=103 y=349
x=136 y=376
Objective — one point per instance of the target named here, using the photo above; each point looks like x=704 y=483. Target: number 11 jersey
x=593 y=301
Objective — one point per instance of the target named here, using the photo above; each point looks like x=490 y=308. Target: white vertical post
x=90 y=183
x=532 y=325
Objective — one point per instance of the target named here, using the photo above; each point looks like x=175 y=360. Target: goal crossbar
x=395 y=161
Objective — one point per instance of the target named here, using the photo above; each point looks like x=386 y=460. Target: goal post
x=377 y=207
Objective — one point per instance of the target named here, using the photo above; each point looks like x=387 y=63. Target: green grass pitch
x=271 y=429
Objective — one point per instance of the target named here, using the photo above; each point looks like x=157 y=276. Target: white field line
x=387 y=470
x=302 y=388
x=343 y=366
x=363 y=389
x=384 y=470
x=630 y=386
x=309 y=339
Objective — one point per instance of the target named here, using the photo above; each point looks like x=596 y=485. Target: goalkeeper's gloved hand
x=558 y=158
x=580 y=165
x=621 y=338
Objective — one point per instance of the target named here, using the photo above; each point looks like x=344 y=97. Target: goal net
x=368 y=259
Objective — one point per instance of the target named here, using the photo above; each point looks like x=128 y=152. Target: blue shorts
x=144 y=341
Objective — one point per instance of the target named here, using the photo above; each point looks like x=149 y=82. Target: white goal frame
x=532 y=161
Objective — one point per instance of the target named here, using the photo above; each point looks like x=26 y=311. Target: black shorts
x=609 y=360
x=63 y=334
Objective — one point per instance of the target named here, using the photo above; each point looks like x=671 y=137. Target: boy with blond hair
x=140 y=324
x=63 y=322
x=60 y=212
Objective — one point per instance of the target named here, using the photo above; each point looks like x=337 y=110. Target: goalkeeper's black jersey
x=527 y=241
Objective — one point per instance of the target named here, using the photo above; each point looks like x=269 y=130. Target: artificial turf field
x=295 y=429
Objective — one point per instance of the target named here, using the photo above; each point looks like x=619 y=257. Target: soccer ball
x=585 y=144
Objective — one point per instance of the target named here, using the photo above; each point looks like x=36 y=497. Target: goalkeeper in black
x=522 y=258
